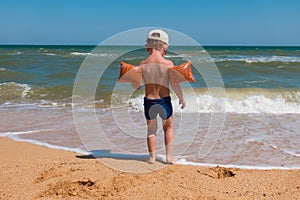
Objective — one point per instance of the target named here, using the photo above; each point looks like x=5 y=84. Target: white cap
x=160 y=35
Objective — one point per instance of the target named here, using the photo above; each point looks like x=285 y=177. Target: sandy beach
x=34 y=172
x=78 y=81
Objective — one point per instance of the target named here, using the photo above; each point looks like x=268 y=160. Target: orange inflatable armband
x=133 y=74
x=130 y=73
x=181 y=73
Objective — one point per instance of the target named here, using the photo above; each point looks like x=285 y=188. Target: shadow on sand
x=94 y=154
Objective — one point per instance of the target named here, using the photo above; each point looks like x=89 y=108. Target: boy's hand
x=182 y=103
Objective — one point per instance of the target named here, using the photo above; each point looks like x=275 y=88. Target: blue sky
x=215 y=22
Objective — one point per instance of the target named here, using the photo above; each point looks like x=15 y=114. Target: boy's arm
x=178 y=91
x=134 y=85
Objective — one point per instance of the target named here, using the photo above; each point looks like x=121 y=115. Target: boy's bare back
x=155 y=75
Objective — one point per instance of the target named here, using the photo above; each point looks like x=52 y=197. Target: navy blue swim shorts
x=161 y=106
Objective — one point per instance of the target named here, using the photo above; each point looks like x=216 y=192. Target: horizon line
x=217 y=45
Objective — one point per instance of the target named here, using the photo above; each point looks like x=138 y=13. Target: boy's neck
x=156 y=52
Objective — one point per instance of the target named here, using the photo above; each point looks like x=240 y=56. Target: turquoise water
x=49 y=71
x=262 y=102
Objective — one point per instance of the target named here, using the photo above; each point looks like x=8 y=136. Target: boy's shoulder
x=169 y=62
x=143 y=62
x=164 y=61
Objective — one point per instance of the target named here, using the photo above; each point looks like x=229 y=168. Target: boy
x=157 y=98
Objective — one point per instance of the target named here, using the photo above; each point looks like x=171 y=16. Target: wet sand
x=34 y=172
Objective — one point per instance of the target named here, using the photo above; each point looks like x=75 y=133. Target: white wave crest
x=256 y=81
x=177 y=56
x=89 y=54
x=15 y=53
x=25 y=88
x=248 y=104
x=257 y=59
x=50 y=54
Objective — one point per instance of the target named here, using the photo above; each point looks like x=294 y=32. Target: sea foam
x=258 y=59
x=89 y=54
x=248 y=104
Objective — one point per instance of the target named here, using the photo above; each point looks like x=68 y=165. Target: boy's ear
x=165 y=51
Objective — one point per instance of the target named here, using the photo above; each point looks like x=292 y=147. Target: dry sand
x=35 y=172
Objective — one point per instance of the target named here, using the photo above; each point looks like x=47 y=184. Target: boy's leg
x=169 y=138
x=151 y=139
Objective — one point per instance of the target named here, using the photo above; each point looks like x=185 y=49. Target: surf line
x=3 y=134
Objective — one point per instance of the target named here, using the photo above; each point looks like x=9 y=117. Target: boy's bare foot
x=151 y=161
x=152 y=158
x=171 y=160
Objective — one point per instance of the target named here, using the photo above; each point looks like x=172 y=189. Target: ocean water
x=262 y=103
